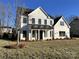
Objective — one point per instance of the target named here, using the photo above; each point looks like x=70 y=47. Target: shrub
x=14 y=46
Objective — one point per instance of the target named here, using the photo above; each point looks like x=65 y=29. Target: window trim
x=61 y=23
x=39 y=21
x=24 y=20
x=45 y=22
x=33 y=20
x=62 y=33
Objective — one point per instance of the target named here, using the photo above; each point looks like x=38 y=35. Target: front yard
x=55 y=49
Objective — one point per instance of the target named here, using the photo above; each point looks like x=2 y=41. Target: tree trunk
x=18 y=41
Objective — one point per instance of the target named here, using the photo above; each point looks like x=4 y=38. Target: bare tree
x=18 y=27
x=2 y=17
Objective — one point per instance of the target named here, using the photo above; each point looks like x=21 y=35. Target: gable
x=56 y=20
x=39 y=12
x=62 y=20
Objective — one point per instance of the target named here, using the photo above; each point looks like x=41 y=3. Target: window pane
x=62 y=33
x=50 y=22
x=45 y=22
x=33 y=20
x=24 y=20
x=39 y=21
x=61 y=23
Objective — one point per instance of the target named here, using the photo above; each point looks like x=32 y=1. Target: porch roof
x=38 y=26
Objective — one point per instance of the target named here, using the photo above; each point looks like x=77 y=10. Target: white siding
x=38 y=14
x=23 y=26
x=58 y=28
x=48 y=35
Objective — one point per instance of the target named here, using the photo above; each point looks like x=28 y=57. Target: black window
x=61 y=33
x=61 y=23
x=33 y=20
x=45 y=22
x=33 y=33
x=50 y=22
x=24 y=33
x=39 y=21
x=24 y=20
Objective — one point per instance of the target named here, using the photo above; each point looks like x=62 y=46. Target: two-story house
x=34 y=24
x=38 y=25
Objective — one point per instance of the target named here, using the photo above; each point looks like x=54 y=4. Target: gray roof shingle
x=24 y=11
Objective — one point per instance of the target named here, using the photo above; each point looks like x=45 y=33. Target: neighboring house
x=34 y=24
x=38 y=25
x=61 y=28
x=75 y=27
x=6 y=29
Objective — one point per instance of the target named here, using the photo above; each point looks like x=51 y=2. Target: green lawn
x=55 y=49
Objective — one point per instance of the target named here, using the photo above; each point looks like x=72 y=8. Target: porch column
x=43 y=35
x=38 y=34
x=30 y=34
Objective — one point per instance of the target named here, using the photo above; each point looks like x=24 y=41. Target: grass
x=55 y=49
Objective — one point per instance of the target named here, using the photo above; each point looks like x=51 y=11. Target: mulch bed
x=14 y=46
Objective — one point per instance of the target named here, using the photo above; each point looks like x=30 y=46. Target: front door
x=41 y=35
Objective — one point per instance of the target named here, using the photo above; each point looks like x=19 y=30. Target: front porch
x=40 y=34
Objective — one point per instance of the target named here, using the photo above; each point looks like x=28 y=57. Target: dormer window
x=33 y=20
x=24 y=20
x=39 y=21
x=61 y=23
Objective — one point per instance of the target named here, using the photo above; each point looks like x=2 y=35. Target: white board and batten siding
x=39 y=13
x=58 y=28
